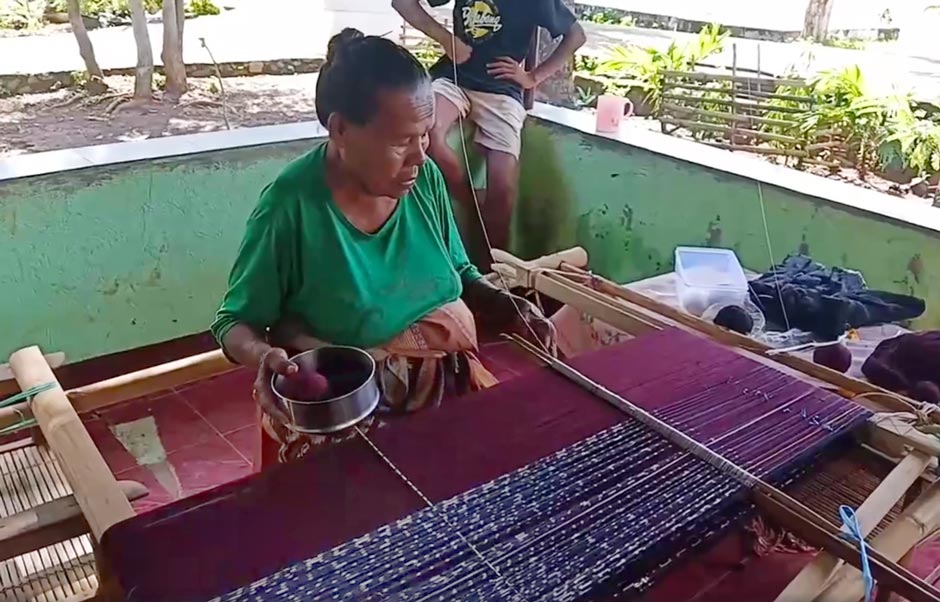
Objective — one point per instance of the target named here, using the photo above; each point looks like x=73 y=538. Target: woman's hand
x=532 y=324
x=274 y=361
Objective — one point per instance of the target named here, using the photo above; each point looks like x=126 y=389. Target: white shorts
x=498 y=118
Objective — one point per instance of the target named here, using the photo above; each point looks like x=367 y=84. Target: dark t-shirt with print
x=498 y=28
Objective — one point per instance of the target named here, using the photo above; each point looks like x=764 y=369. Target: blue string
x=27 y=394
x=850 y=523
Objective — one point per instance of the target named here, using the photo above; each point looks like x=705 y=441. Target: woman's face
x=384 y=155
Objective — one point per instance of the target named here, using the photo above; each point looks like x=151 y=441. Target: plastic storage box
x=707 y=277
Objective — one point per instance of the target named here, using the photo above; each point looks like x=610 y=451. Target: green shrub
x=200 y=8
x=634 y=67
x=22 y=14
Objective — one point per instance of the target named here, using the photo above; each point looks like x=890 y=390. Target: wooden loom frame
x=100 y=501
x=826 y=578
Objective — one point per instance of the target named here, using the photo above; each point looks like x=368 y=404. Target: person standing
x=482 y=79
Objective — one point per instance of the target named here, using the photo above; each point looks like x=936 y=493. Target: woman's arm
x=252 y=303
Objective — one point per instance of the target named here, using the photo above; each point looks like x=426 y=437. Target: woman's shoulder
x=296 y=181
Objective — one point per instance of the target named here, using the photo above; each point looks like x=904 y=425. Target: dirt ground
x=67 y=118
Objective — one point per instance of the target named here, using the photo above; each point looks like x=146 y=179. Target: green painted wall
x=630 y=208
x=107 y=259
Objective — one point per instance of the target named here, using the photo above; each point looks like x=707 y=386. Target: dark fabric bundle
x=827 y=301
x=906 y=363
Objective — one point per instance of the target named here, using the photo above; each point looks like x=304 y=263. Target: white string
x=430 y=504
x=770 y=250
x=476 y=204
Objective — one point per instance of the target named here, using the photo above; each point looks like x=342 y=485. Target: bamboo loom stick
x=149 y=380
x=813 y=577
x=132 y=385
x=914 y=523
x=793 y=514
x=96 y=491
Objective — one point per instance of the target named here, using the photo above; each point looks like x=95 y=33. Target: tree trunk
x=172 y=54
x=558 y=89
x=84 y=42
x=816 y=20
x=143 y=76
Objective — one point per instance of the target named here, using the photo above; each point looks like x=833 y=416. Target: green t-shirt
x=300 y=256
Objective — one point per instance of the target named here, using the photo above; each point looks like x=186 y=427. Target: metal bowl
x=351 y=372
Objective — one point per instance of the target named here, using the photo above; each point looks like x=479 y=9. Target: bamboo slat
x=708 y=77
x=747 y=106
x=669 y=106
x=740 y=93
x=29 y=477
x=696 y=125
x=760 y=150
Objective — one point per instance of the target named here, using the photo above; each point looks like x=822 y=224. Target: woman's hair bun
x=341 y=42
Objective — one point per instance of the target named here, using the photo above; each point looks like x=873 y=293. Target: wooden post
x=101 y=499
x=531 y=62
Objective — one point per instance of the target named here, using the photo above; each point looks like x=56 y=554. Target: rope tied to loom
x=26 y=396
x=854 y=534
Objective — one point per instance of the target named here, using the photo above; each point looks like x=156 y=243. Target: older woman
x=355 y=243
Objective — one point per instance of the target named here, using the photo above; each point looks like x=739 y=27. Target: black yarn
x=734 y=317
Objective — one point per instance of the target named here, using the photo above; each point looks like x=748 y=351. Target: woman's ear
x=338 y=129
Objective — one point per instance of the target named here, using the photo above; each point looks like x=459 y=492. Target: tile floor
x=208 y=431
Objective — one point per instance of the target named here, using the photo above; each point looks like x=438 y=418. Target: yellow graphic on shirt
x=481 y=20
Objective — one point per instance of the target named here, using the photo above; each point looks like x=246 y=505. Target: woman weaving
x=355 y=243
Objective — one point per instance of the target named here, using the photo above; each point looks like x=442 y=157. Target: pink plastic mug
x=610 y=112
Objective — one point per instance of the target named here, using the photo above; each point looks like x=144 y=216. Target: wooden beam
x=97 y=492
x=50 y=523
x=149 y=380
x=884 y=401
x=789 y=512
x=914 y=523
x=895 y=436
x=819 y=532
x=813 y=577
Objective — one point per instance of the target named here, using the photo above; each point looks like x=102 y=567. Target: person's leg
x=502 y=184
x=450 y=103
x=499 y=121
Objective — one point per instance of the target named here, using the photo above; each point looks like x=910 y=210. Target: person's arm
x=573 y=39
x=252 y=302
x=412 y=12
x=555 y=17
